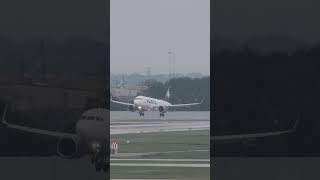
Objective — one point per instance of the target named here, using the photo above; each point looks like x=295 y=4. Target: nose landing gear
x=141 y=113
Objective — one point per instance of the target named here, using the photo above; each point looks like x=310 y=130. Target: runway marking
x=153 y=153
x=177 y=160
x=160 y=165
x=143 y=179
x=157 y=130
x=152 y=127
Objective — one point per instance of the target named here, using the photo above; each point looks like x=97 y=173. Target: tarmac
x=131 y=127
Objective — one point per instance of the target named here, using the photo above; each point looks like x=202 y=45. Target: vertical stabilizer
x=167 y=94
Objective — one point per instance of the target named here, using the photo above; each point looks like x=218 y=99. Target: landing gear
x=161 y=114
x=100 y=161
x=98 y=167
x=141 y=113
x=101 y=165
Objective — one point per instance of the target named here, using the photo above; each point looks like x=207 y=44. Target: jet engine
x=132 y=108
x=162 y=109
x=68 y=148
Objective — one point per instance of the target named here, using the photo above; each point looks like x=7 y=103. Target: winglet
x=3 y=119
x=111 y=99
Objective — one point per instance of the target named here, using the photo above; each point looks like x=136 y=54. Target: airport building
x=127 y=91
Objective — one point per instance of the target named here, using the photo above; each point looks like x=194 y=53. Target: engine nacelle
x=132 y=108
x=68 y=148
x=162 y=109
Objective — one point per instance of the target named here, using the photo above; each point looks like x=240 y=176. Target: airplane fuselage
x=92 y=129
x=91 y=137
x=92 y=133
x=144 y=103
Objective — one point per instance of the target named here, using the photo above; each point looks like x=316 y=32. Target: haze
x=143 y=31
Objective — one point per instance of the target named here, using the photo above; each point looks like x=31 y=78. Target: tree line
x=255 y=91
x=182 y=90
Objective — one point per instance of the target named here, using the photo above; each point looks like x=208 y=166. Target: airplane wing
x=244 y=137
x=35 y=130
x=123 y=103
x=182 y=105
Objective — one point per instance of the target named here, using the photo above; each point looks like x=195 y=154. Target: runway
x=160 y=165
x=161 y=162
x=175 y=121
x=135 y=155
x=167 y=151
x=49 y=168
x=181 y=160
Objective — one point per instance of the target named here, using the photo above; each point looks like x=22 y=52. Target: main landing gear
x=161 y=114
x=102 y=165
x=141 y=113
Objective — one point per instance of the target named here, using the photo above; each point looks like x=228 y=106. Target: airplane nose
x=137 y=101
x=83 y=129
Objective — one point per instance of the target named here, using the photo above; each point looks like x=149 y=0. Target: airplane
x=91 y=137
x=143 y=103
x=245 y=138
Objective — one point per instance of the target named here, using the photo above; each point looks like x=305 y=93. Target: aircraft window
x=83 y=117
x=90 y=118
x=99 y=119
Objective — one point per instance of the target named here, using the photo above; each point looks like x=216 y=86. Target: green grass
x=161 y=162
x=164 y=142
x=161 y=173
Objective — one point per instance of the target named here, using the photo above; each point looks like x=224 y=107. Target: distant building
x=127 y=91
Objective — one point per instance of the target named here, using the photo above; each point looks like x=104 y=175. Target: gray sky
x=54 y=18
x=142 y=32
x=240 y=19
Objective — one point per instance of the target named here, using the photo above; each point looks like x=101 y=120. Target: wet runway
x=150 y=115
x=55 y=168
x=129 y=122
x=48 y=168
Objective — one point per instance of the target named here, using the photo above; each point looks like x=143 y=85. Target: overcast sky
x=54 y=18
x=142 y=32
x=240 y=19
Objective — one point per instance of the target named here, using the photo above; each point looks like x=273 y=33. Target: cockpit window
x=95 y=118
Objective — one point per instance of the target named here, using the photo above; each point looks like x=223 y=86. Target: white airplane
x=245 y=138
x=143 y=103
x=91 y=137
